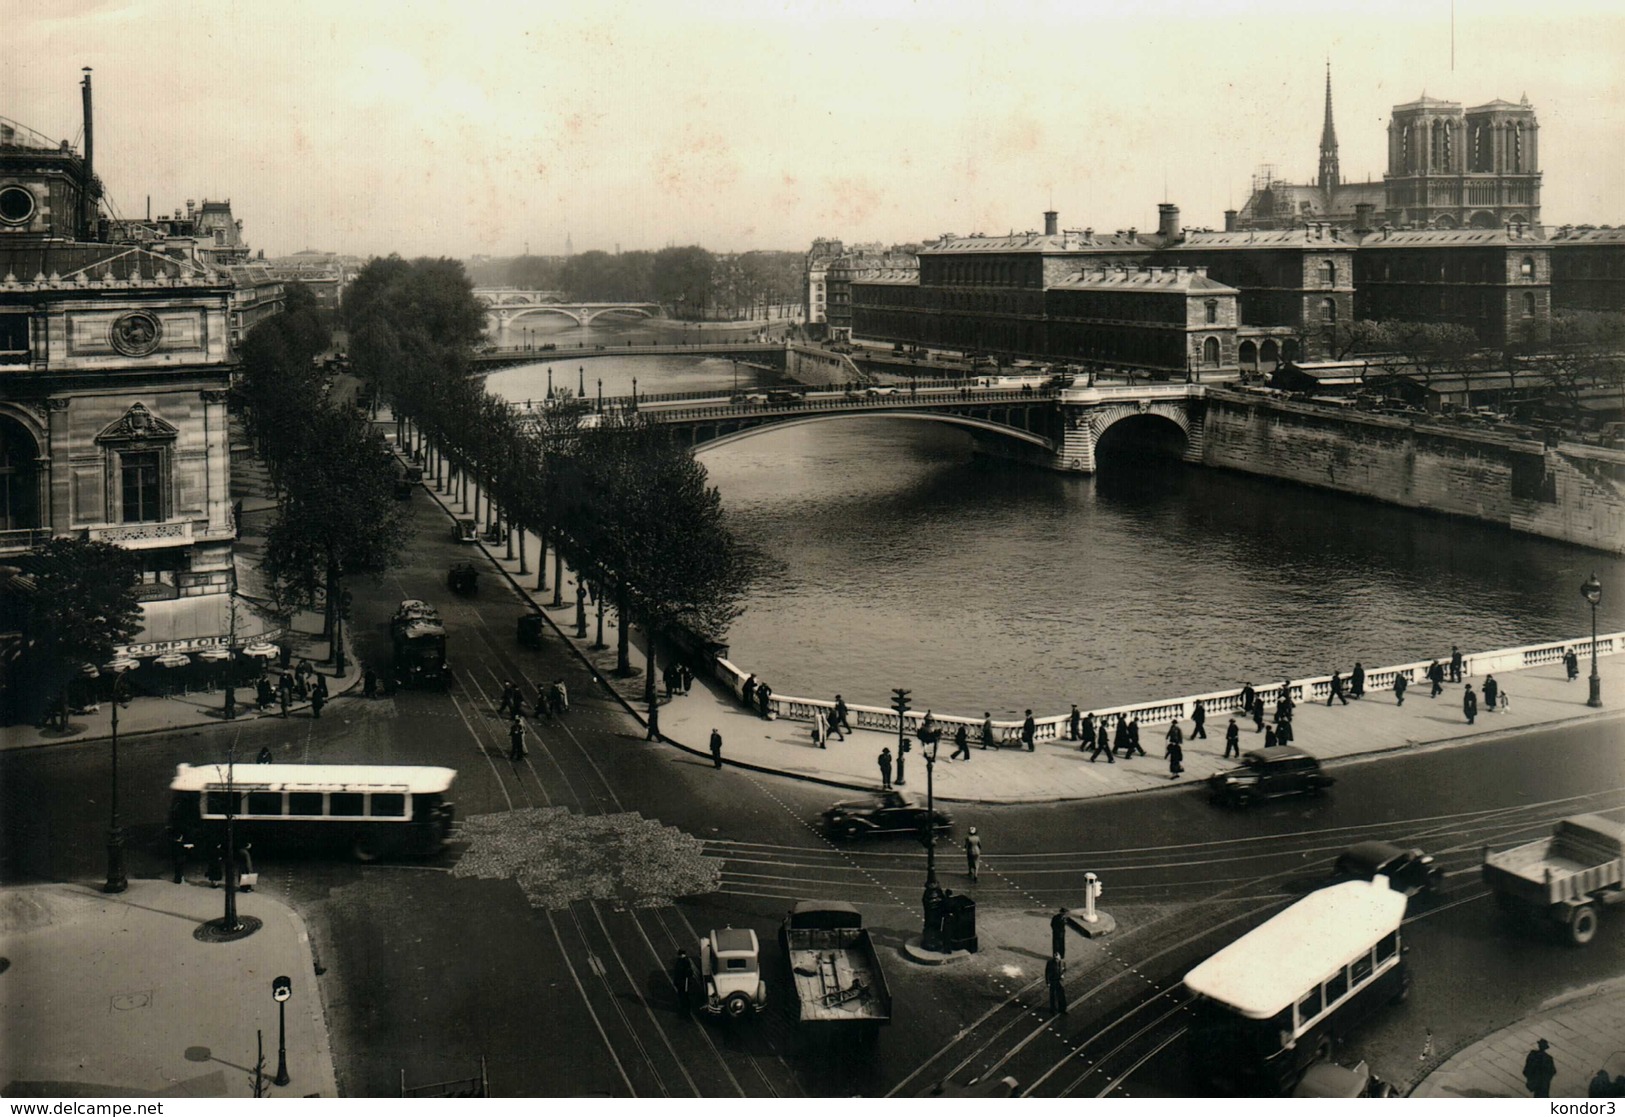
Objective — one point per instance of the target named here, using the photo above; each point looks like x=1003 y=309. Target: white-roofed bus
x=1277 y=999
x=374 y=810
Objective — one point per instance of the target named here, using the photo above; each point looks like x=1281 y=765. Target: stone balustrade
x=1220 y=703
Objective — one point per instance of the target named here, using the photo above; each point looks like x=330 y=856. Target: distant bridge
x=505 y=305
x=1057 y=428
x=489 y=360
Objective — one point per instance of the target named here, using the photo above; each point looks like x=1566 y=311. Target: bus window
x=388 y=804
x=1337 y=987
x=1309 y=1007
x=1386 y=946
x=1360 y=971
x=305 y=804
x=217 y=803
x=265 y=803
x=346 y=804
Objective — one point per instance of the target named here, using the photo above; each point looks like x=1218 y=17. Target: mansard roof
x=1163 y=280
x=1531 y=237
x=1071 y=241
x=1318 y=239
x=1586 y=234
x=70 y=263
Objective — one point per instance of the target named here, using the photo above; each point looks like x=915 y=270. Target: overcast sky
x=470 y=127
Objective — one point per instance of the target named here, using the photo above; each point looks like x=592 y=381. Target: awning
x=190 y=624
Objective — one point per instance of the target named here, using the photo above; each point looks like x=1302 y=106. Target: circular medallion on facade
x=16 y=204
x=135 y=334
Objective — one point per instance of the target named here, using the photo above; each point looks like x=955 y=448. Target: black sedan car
x=1269 y=774
x=1408 y=870
x=890 y=812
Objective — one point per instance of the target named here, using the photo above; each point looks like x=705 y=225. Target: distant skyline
x=476 y=128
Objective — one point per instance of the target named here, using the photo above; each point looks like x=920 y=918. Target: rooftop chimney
x=1364 y=212
x=1167 y=221
x=88 y=211
x=1051 y=222
x=190 y=208
x=1230 y=220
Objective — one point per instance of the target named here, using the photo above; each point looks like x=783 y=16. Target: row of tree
x=624 y=503
x=690 y=281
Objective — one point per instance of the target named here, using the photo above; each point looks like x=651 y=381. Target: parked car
x=1408 y=870
x=1269 y=774
x=465 y=530
x=890 y=812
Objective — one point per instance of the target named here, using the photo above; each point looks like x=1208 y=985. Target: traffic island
x=915 y=951
x=1099 y=927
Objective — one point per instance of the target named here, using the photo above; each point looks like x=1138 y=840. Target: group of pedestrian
x=757 y=696
x=552 y=700
x=833 y=722
x=678 y=679
x=308 y=687
x=1098 y=740
x=1355 y=687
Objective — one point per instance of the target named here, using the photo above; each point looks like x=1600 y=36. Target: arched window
x=1526 y=267
x=1328 y=273
x=1210 y=352
x=1328 y=310
x=1528 y=304
x=1212 y=312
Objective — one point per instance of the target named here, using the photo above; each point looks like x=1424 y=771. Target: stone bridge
x=1056 y=428
x=499 y=357
x=505 y=305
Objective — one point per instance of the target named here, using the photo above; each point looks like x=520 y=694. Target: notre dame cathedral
x=1448 y=168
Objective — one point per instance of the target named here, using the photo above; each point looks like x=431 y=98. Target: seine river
x=905 y=560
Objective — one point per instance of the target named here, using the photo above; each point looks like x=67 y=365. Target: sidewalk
x=159 y=713
x=1055 y=770
x=112 y=996
x=1586 y=1031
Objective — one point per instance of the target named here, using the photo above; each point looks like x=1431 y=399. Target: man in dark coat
x=961 y=743
x=840 y=714
x=1492 y=693
x=1258 y=715
x=1086 y=731
x=1571 y=664
x=1247 y=696
x=1284 y=733
x=1029 y=731
x=1400 y=683
x=1469 y=704
x=988 y=739
x=284 y=690
x=1336 y=689
x=1538 y=1070
x=516 y=739
x=1436 y=677
x=1074 y=724
x=763 y=693
x=1057 y=933
x=1199 y=716
x=884 y=760
x=1055 y=979
x=1120 y=736
x=1232 y=740
x=318 y=699
x=1455 y=664
x=685 y=977
x=716 y=748
x=1134 y=737
x=1357 y=681
x=1101 y=744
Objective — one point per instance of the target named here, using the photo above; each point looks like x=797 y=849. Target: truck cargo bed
x=1581 y=858
x=836 y=977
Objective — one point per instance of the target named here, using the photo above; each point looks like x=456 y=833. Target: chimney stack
x=1167 y=221
x=1052 y=221
x=88 y=211
x=1230 y=216
x=1364 y=212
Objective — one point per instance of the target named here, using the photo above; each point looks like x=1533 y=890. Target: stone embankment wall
x=1568 y=492
x=819 y=368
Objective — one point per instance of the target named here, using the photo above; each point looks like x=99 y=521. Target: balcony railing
x=16 y=540
x=176 y=533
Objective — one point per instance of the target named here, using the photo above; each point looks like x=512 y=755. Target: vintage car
x=529 y=630
x=1269 y=774
x=463 y=578
x=1328 y=1080
x=890 y=812
x=465 y=530
x=1408 y=870
x=731 y=973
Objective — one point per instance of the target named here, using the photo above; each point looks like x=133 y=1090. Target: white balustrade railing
x=1215 y=703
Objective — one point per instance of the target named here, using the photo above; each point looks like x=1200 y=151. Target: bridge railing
x=1221 y=702
x=825 y=404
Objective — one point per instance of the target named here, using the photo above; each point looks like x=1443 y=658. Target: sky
x=487 y=127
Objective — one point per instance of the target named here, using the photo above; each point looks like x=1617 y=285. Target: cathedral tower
x=1329 y=175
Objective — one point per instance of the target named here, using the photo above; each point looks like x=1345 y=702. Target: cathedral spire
x=1329 y=175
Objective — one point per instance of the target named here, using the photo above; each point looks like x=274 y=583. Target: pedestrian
x=1571 y=664
x=1057 y=933
x=561 y=698
x=1335 y=690
x=284 y=656
x=1357 y=681
x=1029 y=730
x=1199 y=717
x=1055 y=978
x=1120 y=737
x=1284 y=733
x=516 y=739
x=369 y=684
x=1400 y=683
x=832 y=725
x=840 y=715
x=747 y=693
x=317 y=700
x=1175 y=751
x=1086 y=731
x=818 y=734
x=1455 y=664
x=1232 y=741
x=1102 y=743
x=1492 y=692
x=1247 y=696
x=1258 y=715
x=1539 y=1069
x=1469 y=703
x=685 y=679
x=987 y=730
x=973 y=853
x=716 y=748
x=301 y=678
x=179 y=850
x=1074 y=725
x=669 y=679
x=961 y=743
x=1285 y=706
x=685 y=978
x=1269 y=737
x=284 y=693
x=265 y=756
x=1436 y=677
x=264 y=695
x=763 y=693
x=1134 y=736
x=506 y=705
x=884 y=760
x=318 y=685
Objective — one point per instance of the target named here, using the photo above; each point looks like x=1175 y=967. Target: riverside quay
x=593 y=644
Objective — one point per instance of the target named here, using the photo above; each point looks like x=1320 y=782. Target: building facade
x=1588 y=268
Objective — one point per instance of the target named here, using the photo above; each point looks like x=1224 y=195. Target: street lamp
x=600 y=395
x=549 y=381
x=281 y=990
x=581 y=382
x=735 y=362
x=1592 y=592
x=634 y=393
x=116 y=880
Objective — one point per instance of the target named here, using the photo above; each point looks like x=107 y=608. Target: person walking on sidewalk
x=1257 y=710
x=1335 y=691
x=884 y=760
x=818 y=732
x=1469 y=703
x=1539 y=1069
x=1055 y=978
x=1247 y=696
x=1029 y=731
x=1175 y=751
x=841 y=721
x=1455 y=664
x=1074 y=725
x=1232 y=741
x=1120 y=742
x=1102 y=744
x=988 y=740
x=1357 y=681
x=685 y=978
x=516 y=739
x=264 y=695
x=832 y=726
x=1057 y=933
x=763 y=694
x=1284 y=733
x=506 y=705
x=1086 y=732
x=1400 y=683
x=961 y=743
x=1199 y=716
x=1269 y=737
x=747 y=693
x=1134 y=737
x=284 y=690
x=1571 y=664
x=1436 y=677
x=318 y=699
x=1492 y=692
x=716 y=748
x=973 y=853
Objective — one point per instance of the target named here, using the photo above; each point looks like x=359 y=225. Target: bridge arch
x=1154 y=428
x=512 y=314
x=966 y=422
x=635 y=311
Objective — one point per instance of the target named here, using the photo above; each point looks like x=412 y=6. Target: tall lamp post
x=1592 y=592
x=116 y=880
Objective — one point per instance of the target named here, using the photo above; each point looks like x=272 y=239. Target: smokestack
x=1052 y=222
x=1364 y=212
x=88 y=210
x=1230 y=220
x=1167 y=221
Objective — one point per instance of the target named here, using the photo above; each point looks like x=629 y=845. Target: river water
x=906 y=560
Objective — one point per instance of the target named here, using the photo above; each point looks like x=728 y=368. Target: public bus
x=1277 y=999
x=377 y=810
